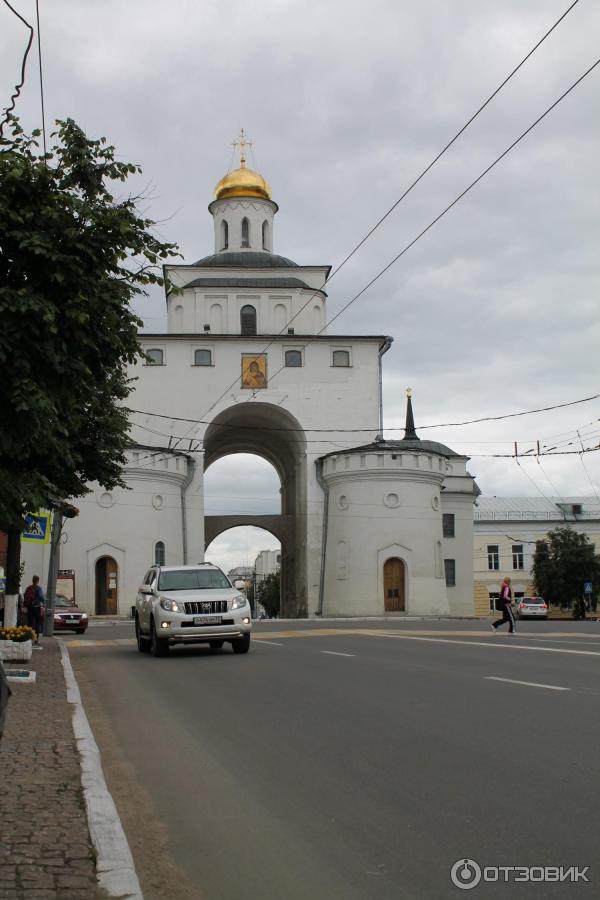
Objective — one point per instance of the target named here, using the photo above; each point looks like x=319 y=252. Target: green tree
x=269 y=594
x=562 y=563
x=72 y=257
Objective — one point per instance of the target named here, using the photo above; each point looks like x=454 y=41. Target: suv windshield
x=193 y=580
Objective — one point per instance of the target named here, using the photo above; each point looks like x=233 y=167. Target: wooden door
x=393 y=585
x=107 y=600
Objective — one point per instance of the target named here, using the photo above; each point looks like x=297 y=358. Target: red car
x=67 y=616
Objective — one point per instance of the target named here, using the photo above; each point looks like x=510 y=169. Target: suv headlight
x=238 y=602
x=170 y=605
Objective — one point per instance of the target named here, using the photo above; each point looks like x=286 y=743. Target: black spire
x=409 y=429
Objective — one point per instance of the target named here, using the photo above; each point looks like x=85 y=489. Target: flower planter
x=16 y=651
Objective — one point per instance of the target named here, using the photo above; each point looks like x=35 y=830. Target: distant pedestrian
x=506 y=604
x=33 y=601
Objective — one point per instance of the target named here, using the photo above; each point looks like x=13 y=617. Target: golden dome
x=242 y=182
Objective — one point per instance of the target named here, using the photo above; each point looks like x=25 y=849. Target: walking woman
x=506 y=604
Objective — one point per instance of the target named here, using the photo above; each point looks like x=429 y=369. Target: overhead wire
x=526 y=412
x=586 y=470
x=39 y=43
x=410 y=188
x=447 y=209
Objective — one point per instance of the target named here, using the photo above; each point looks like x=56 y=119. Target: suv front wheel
x=242 y=644
x=158 y=646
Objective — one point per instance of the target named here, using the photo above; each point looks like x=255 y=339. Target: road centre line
x=270 y=643
x=550 y=687
x=496 y=642
x=333 y=653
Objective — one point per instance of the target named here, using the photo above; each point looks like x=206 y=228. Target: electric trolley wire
x=437 y=158
x=39 y=43
x=410 y=187
x=527 y=412
x=585 y=468
x=450 y=206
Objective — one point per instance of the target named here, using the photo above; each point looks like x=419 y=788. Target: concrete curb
x=115 y=866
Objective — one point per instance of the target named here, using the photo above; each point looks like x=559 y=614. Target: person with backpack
x=33 y=602
x=506 y=606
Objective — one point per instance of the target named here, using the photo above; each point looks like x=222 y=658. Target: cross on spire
x=242 y=142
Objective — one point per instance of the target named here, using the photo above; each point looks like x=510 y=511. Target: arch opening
x=272 y=433
x=253 y=555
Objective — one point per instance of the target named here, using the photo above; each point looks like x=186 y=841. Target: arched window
x=154 y=357
x=159 y=553
x=248 y=320
x=203 y=358
x=224 y=235
x=293 y=358
x=178 y=318
x=265 y=235
x=341 y=358
x=245 y=233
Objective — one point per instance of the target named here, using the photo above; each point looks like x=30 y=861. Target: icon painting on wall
x=254 y=371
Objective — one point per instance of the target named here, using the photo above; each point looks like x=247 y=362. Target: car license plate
x=207 y=620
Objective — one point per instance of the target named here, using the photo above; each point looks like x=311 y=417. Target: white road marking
x=581 y=643
x=333 y=653
x=550 y=687
x=504 y=644
x=262 y=641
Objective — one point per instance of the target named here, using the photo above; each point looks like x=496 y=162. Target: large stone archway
x=274 y=434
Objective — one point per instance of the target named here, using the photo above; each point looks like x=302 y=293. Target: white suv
x=191 y=605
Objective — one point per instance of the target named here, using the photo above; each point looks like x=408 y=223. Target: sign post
x=53 y=566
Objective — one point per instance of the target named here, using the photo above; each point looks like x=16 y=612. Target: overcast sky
x=495 y=310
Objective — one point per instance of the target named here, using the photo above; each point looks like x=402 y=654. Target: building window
x=265 y=235
x=448 y=525
x=155 y=357
x=493 y=557
x=202 y=358
x=450 y=571
x=517 y=555
x=245 y=233
x=224 y=235
x=248 y=320
x=159 y=554
x=494 y=601
x=341 y=358
x=293 y=358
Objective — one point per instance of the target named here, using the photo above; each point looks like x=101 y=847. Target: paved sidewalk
x=45 y=847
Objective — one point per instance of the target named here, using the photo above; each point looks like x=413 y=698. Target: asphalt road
x=358 y=764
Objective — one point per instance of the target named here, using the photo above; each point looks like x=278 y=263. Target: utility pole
x=53 y=567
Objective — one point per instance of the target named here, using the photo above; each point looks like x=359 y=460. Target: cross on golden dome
x=242 y=142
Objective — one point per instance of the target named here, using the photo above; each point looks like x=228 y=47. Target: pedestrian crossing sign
x=37 y=528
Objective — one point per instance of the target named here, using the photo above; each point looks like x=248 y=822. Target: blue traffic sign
x=587 y=587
